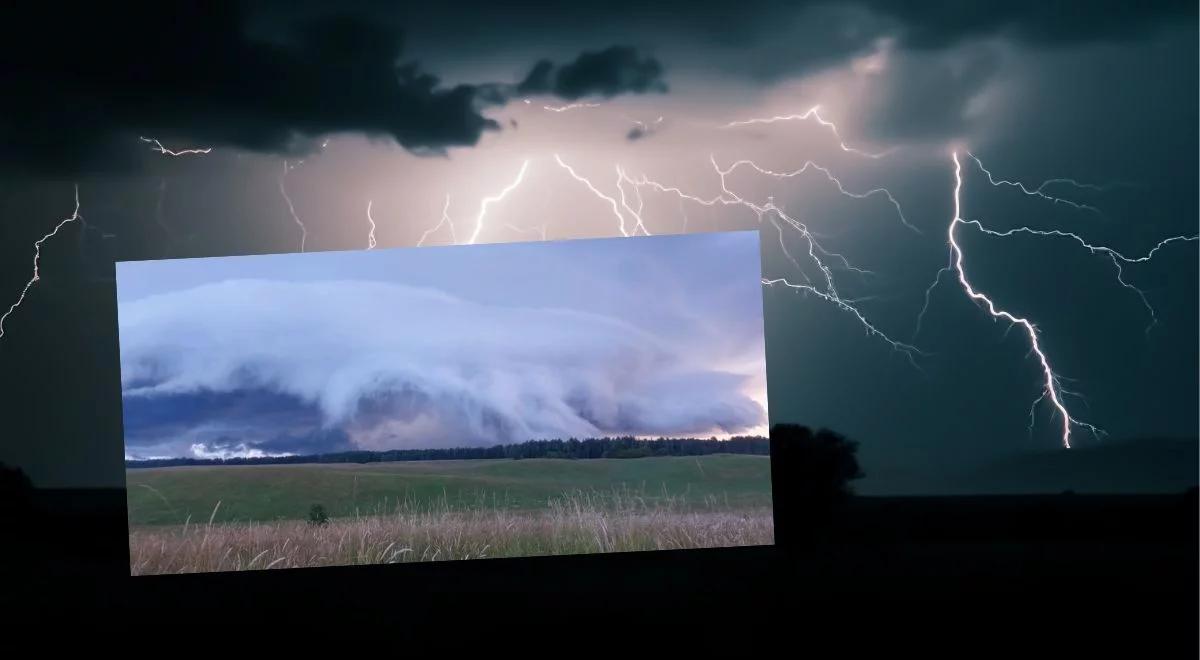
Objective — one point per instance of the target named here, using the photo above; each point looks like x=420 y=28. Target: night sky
x=618 y=118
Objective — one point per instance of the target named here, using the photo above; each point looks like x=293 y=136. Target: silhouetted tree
x=810 y=475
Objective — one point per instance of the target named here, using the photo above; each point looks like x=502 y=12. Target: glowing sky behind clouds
x=442 y=346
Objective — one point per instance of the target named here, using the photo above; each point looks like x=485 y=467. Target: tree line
x=572 y=448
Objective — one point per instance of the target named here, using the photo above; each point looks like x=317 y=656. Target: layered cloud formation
x=260 y=366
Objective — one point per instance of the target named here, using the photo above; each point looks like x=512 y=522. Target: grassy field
x=228 y=518
x=175 y=495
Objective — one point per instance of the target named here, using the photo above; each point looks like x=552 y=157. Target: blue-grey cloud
x=612 y=71
x=253 y=365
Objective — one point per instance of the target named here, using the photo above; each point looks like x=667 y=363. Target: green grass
x=171 y=496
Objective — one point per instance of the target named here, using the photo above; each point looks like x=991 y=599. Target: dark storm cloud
x=794 y=36
x=925 y=95
x=926 y=22
x=609 y=72
x=81 y=86
x=935 y=24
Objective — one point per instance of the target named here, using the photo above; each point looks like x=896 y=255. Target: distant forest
x=623 y=447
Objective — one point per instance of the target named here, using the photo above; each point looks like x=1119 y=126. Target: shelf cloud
x=257 y=366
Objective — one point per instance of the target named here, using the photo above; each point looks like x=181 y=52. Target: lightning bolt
x=444 y=221
x=1040 y=190
x=569 y=106
x=928 y=293
x=646 y=126
x=814 y=114
x=637 y=214
x=483 y=209
x=37 y=257
x=539 y=230
x=611 y=201
x=815 y=252
x=1116 y=257
x=846 y=306
x=1051 y=383
x=291 y=207
x=158 y=146
x=1052 y=389
x=595 y=191
x=370 y=235
x=833 y=179
x=488 y=201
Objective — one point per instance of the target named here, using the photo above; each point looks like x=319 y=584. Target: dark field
x=1107 y=574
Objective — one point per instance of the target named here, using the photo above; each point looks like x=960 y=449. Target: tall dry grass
x=575 y=523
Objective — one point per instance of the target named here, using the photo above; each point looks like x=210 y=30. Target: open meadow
x=219 y=518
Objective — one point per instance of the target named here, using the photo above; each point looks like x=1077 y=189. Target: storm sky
x=605 y=119
x=442 y=347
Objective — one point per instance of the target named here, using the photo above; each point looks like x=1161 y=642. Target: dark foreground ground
x=1081 y=573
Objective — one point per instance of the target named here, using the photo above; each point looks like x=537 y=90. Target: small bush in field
x=317 y=515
